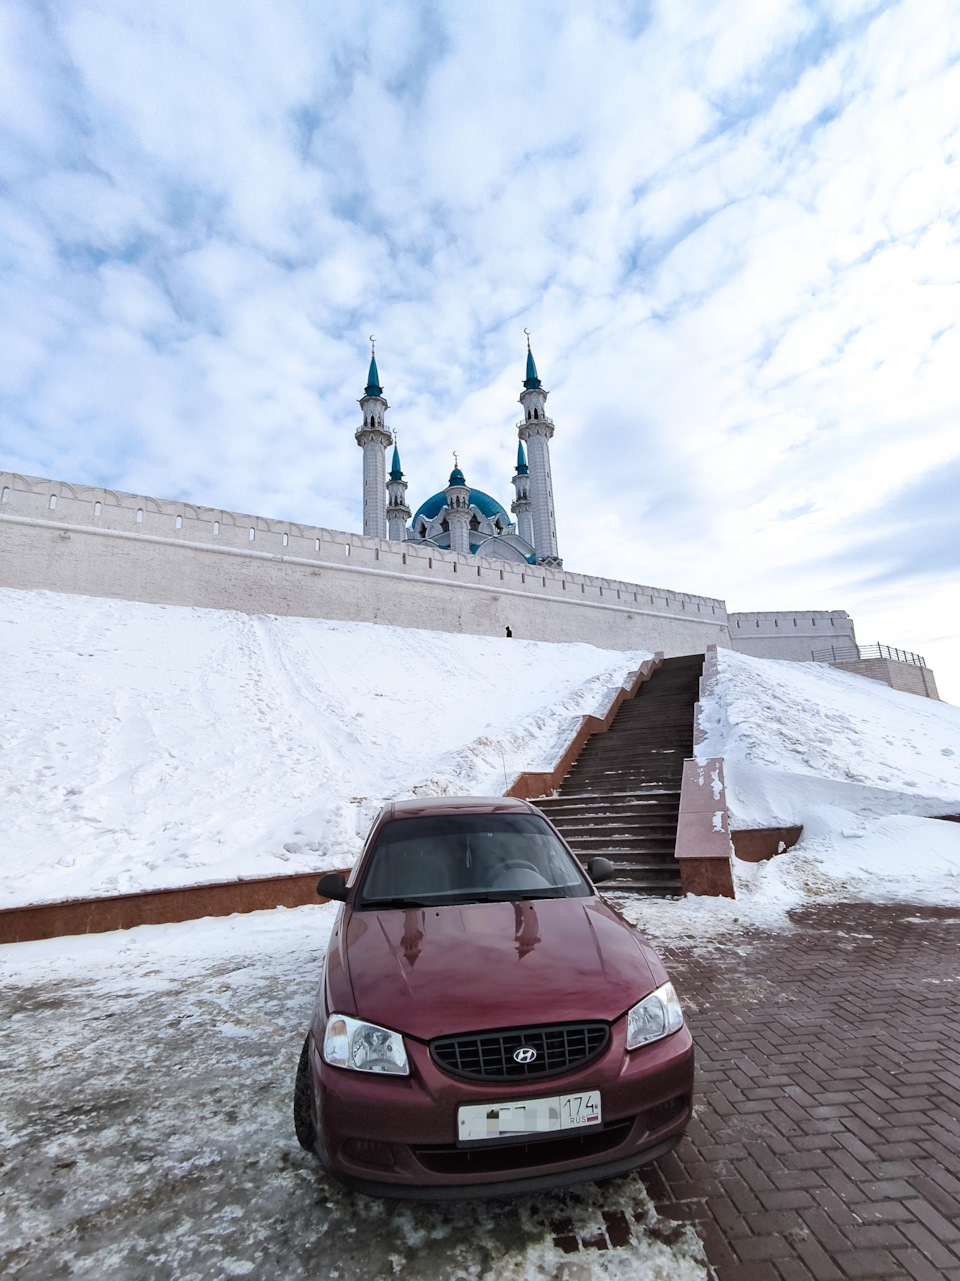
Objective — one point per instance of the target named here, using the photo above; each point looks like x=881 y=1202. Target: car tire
x=303 y=1102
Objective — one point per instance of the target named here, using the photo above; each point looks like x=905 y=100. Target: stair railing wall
x=531 y=785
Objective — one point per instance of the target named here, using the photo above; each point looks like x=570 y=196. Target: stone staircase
x=622 y=796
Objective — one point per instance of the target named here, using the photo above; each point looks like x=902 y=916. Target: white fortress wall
x=790 y=634
x=97 y=542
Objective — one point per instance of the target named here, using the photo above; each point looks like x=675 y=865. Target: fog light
x=369 y=1152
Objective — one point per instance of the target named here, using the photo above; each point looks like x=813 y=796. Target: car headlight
x=655 y=1016
x=364 y=1047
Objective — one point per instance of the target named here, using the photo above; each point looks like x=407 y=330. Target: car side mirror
x=600 y=869
x=333 y=885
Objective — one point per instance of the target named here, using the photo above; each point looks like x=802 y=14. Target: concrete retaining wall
x=97 y=542
x=903 y=676
x=156 y=907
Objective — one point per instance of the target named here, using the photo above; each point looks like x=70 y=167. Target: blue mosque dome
x=484 y=504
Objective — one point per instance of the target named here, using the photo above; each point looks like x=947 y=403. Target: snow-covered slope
x=147 y=745
x=859 y=765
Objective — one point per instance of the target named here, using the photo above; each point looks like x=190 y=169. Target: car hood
x=436 y=971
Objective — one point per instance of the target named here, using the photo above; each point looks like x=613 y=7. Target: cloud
x=731 y=228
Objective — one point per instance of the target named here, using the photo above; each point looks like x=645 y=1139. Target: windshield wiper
x=386 y=903
x=507 y=896
x=463 y=899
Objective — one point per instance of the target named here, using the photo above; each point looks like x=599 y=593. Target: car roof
x=419 y=806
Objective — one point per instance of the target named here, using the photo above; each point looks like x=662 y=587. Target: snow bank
x=862 y=767
x=145 y=746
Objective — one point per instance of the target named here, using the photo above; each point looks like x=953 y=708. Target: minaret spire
x=531 y=382
x=398 y=513
x=521 y=504
x=374 y=439
x=535 y=432
x=457 y=494
x=373 y=387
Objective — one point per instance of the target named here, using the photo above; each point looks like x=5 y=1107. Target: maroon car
x=486 y=1023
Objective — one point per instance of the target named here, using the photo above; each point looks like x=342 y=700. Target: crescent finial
x=527 y=332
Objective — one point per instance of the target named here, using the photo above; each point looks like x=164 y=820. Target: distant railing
x=849 y=652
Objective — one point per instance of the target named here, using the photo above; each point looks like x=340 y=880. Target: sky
x=731 y=229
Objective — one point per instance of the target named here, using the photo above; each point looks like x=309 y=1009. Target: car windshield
x=468 y=858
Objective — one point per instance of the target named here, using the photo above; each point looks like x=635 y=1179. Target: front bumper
x=397 y=1136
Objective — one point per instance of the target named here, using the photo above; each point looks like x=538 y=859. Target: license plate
x=479 y=1121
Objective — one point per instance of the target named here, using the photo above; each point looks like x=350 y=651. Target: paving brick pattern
x=826 y=1140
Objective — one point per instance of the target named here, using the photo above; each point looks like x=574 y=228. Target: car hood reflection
x=436 y=971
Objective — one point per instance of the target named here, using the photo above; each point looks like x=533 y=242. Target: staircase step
x=621 y=799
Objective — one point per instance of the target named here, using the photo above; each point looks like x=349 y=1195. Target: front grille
x=489 y=1056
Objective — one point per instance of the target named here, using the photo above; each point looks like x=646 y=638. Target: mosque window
x=179 y=522
x=139 y=515
x=96 y=506
x=252 y=534
x=53 y=501
x=536 y=413
x=475 y=524
x=216 y=527
x=6 y=494
x=445 y=525
x=316 y=544
x=285 y=540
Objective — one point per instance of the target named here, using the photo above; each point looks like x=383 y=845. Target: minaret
x=398 y=513
x=373 y=438
x=536 y=430
x=521 y=505
x=457 y=494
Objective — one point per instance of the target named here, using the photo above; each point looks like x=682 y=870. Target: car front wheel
x=303 y=1102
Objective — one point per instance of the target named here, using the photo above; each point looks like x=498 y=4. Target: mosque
x=459 y=518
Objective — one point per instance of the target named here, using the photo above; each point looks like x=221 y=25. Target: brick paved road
x=827 y=1140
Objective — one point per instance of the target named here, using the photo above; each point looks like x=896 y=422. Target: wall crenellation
x=110 y=511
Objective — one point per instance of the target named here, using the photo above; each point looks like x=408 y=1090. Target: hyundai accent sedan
x=486 y=1024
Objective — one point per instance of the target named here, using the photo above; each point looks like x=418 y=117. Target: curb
x=156 y=907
